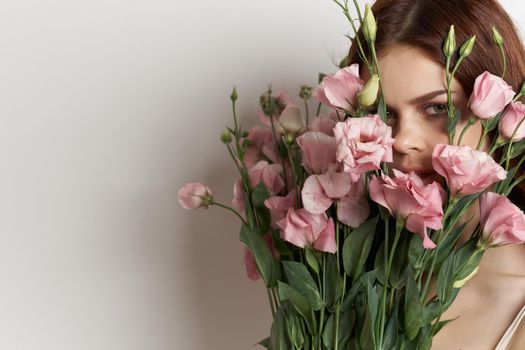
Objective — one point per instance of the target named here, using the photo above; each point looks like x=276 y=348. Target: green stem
x=230 y=209
x=285 y=175
x=504 y=58
x=482 y=135
x=399 y=228
x=306 y=110
x=465 y=128
x=270 y=299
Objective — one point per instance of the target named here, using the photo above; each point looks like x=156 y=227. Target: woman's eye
x=436 y=109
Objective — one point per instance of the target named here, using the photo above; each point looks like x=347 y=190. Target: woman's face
x=415 y=91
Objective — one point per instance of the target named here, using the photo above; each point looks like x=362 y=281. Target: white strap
x=505 y=340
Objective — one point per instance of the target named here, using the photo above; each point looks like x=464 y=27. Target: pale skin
x=488 y=303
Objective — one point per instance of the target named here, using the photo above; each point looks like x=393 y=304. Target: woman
x=409 y=46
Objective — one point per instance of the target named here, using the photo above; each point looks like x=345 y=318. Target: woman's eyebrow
x=429 y=96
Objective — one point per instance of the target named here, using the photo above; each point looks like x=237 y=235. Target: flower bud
x=226 y=137
x=450 y=43
x=369 y=25
x=466 y=48
x=194 y=195
x=367 y=97
x=496 y=37
x=306 y=92
x=461 y=283
x=321 y=77
x=234 y=95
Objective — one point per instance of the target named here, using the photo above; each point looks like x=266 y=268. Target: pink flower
x=490 y=95
x=268 y=174
x=354 y=209
x=324 y=124
x=339 y=91
x=279 y=205
x=262 y=145
x=249 y=261
x=320 y=191
x=195 y=195
x=502 y=222
x=510 y=120
x=466 y=171
x=407 y=198
x=362 y=144
x=318 y=152
x=302 y=228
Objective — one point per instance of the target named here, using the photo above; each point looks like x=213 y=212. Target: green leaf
x=300 y=279
x=432 y=310
x=415 y=251
x=367 y=339
x=413 y=308
x=445 y=279
x=295 y=329
x=346 y=324
x=452 y=123
x=286 y=292
x=441 y=324
x=261 y=253
x=518 y=149
x=259 y=195
x=391 y=332
x=312 y=260
x=373 y=304
x=357 y=247
x=265 y=342
x=333 y=282
x=278 y=335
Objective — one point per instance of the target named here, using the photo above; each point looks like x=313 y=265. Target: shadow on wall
x=232 y=312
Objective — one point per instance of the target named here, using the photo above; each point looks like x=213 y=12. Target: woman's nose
x=409 y=137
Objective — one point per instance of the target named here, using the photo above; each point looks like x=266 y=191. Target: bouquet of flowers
x=355 y=255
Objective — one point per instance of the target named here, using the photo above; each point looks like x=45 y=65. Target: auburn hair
x=424 y=24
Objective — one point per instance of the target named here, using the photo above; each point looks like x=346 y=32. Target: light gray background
x=107 y=107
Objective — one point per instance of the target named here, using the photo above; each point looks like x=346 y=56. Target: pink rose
x=268 y=174
x=249 y=261
x=362 y=144
x=407 y=198
x=466 y=171
x=339 y=91
x=195 y=195
x=302 y=228
x=318 y=152
x=279 y=205
x=510 y=121
x=324 y=124
x=490 y=95
x=502 y=222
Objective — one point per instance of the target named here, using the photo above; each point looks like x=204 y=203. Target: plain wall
x=107 y=108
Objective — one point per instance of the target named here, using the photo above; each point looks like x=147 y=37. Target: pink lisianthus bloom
x=262 y=145
x=194 y=195
x=249 y=261
x=354 y=209
x=320 y=191
x=510 y=122
x=408 y=199
x=489 y=96
x=339 y=91
x=466 y=171
x=278 y=206
x=501 y=221
x=302 y=228
x=362 y=144
x=268 y=174
x=318 y=152
x=324 y=123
